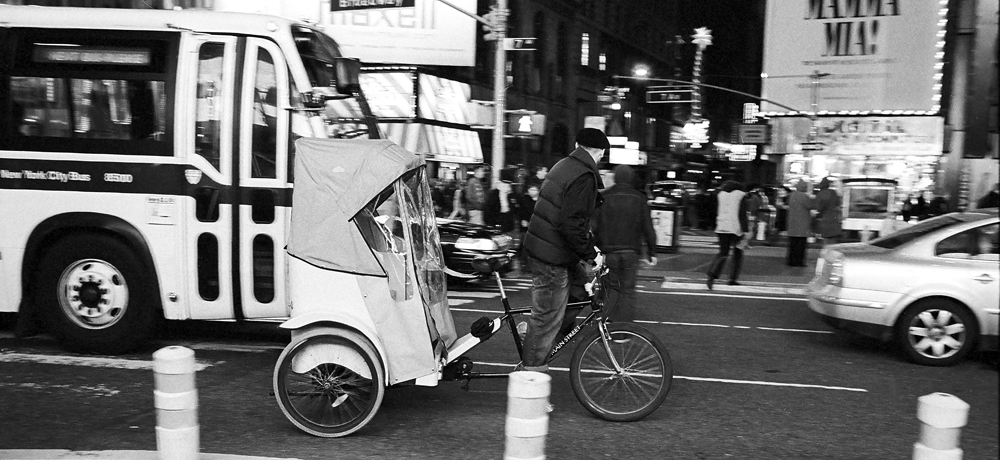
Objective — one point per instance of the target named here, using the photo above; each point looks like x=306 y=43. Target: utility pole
x=496 y=23
x=499 y=89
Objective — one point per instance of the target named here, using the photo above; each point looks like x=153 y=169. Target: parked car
x=462 y=241
x=933 y=288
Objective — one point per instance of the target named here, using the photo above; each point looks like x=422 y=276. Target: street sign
x=753 y=134
x=519 y=44
x=668 y=96
x=813 y=146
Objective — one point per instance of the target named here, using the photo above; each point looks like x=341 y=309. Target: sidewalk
x=763 y=262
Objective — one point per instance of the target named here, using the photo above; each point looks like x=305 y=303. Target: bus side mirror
x=348 y=71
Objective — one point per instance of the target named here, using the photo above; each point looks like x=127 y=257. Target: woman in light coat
x=800 y=206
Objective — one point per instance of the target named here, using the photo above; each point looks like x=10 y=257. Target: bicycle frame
x=469 y=341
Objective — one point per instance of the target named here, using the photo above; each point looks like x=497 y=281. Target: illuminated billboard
x=874 y=57
x=427 y=33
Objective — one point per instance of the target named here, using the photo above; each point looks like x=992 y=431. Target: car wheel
x=936 y=332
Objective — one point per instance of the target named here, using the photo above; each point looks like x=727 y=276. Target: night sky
x=733 y=60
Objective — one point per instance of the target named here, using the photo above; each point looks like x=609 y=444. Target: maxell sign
x=420 y=32
x=875 y=56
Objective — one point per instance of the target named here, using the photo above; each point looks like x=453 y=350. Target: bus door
x=264 y=186
x=206 y=95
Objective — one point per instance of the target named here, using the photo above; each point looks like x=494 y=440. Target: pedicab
x=368 y=299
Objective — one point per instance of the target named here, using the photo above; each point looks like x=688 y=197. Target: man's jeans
x=624 y=266
x=549 y=294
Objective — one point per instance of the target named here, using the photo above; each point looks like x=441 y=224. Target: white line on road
x=474 y=295
x=89 y=361
x=99 y=390
x=734 y=296
x=708 y=379
x=763 y=328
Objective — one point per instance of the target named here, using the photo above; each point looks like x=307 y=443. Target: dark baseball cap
x=593 y=138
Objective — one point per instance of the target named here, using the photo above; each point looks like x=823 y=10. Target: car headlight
x=476 y=244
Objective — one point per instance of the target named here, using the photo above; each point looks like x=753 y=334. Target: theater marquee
x=856 y=57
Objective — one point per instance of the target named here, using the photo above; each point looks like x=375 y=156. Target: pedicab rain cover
x=334 y=180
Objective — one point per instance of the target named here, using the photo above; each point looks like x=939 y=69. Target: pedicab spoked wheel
x=329 y=383
x=632 y=394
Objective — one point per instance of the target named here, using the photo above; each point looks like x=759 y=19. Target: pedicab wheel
x=329 y=383
x=635 y=393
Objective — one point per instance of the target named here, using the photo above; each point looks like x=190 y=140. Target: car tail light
x=836 y=277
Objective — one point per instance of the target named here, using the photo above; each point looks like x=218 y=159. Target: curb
x=63 y=454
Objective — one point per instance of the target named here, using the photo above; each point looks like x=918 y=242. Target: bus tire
x=96 y=295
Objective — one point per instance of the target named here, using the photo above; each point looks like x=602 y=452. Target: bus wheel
x=96 y=294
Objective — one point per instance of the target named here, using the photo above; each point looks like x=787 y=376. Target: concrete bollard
x=942 y=417
x=176 y=402
x=527 y=415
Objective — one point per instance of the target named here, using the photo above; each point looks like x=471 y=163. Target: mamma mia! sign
x=854 y=56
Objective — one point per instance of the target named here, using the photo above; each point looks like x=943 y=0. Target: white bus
x=145 y=164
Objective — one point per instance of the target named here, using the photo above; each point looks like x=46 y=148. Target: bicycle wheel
x=638 y=390
x=329 y=383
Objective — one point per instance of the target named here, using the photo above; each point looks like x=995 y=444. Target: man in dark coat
x=621 y=225
x=559 y=243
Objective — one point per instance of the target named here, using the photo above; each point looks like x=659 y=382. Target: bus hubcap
x=93 y=293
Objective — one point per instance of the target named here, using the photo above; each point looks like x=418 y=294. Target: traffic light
x=525 y=124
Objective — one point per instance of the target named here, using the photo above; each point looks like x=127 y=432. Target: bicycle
x=330 y=382
x=619 y=371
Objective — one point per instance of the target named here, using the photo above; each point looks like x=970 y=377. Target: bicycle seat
x=489 y=264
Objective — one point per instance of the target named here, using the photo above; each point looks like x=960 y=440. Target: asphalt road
x=755 y=376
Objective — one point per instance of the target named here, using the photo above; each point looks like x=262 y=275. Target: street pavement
x=682 y=269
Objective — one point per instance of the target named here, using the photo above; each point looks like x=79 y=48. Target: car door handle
x=984 y=278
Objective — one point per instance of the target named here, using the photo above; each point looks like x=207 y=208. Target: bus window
x=101 y=109
x=265 y=129
x=211 y=105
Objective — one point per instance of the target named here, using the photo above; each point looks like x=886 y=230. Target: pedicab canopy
x=334 y=179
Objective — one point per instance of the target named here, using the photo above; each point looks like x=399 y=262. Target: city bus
x=145 y=164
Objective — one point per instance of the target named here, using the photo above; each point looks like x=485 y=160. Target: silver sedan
x=933 y=288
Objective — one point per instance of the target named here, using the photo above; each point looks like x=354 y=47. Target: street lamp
x=640 y=71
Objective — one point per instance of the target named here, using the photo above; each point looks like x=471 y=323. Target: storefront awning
x=436 y=143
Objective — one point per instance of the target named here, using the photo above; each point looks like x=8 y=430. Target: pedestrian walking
x=800 y=207
x=475 y=195
x=621 y=225
x=730 y=227
x=781 y=213
x=920 y=210
x=828 y=212
x=500 y=210
x=907 y=209
x=559 y=245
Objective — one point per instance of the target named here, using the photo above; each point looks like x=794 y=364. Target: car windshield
x=906 y=235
